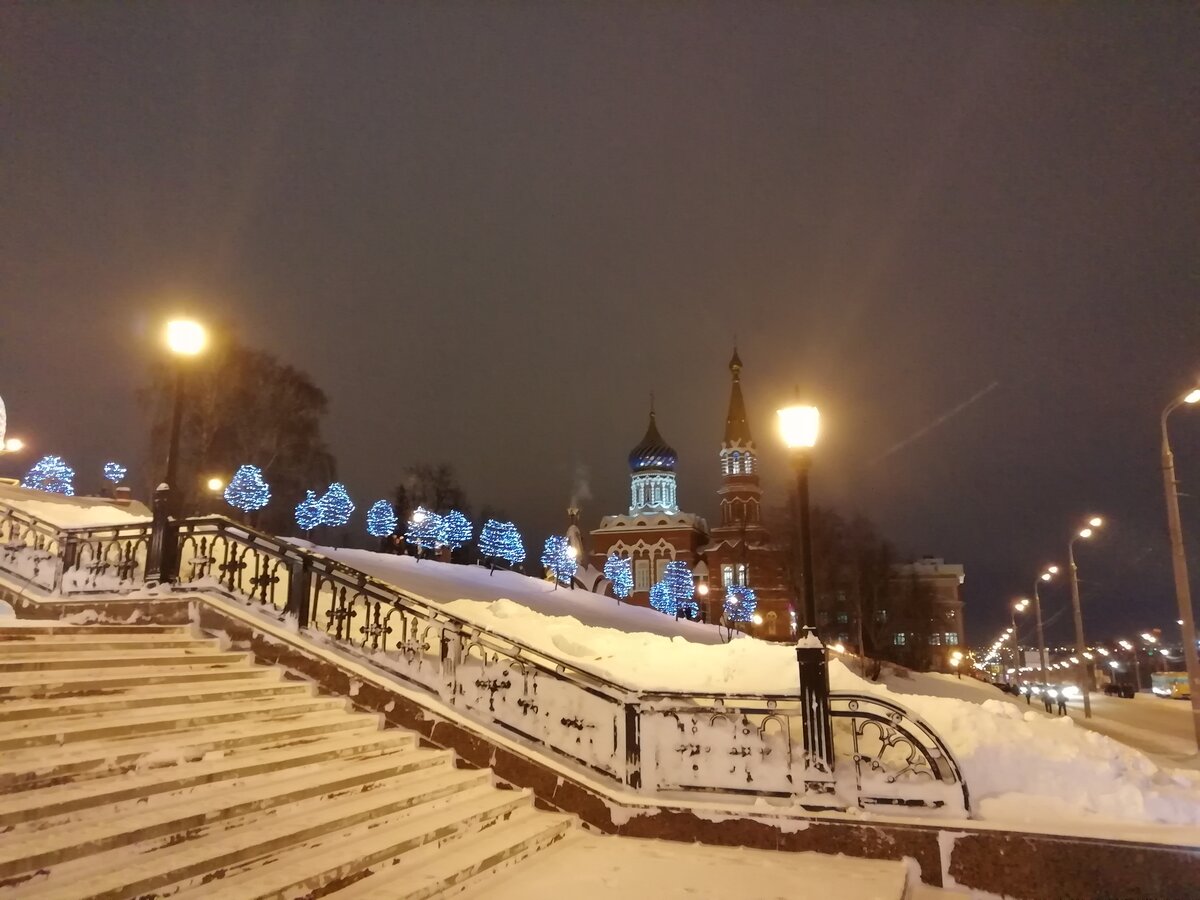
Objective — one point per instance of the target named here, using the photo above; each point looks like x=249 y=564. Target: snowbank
x=1021 y=766
x=72 y=512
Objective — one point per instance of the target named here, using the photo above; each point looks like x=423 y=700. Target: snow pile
x=72 y=512
x=1021 y=766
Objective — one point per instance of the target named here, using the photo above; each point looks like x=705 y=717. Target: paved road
x=1162 y=728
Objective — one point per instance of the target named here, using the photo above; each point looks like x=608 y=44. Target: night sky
x=488 y=231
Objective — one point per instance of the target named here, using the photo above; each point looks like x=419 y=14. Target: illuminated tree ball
x=52 y=475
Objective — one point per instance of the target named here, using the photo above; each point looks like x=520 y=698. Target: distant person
x=1048 y=700
x=1062 y=703
x=1028 y=692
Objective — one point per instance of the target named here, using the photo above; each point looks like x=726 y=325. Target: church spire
x=737 y=430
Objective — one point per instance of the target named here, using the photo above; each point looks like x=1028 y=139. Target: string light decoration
x=114 y=472
x=246 y=490
x=675 y=596
x=308 y=512
x=381 y=519
x=424 y=529
x=740 y=603
x=619 y=570
x=52 y=475
x=456 y=529
x=558 y=559
x=336 y=505
x=501 y=541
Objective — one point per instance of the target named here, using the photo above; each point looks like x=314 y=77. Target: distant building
x=943 y=581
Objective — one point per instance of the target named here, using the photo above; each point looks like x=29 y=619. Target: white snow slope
x=1020 y=765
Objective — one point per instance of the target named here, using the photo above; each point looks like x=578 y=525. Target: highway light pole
x=1050 y=572
x=1183 y=594
x=1080 y=644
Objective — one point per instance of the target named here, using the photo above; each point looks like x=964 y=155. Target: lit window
x=843 y=618
x=951 y=637
x=641 y=575
x=660 y=568
x=741 y=574
x=881 y=616
x=898 y=639
x=726 y=575
x=936 y=639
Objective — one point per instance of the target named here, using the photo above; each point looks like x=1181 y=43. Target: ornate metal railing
x=661 y=743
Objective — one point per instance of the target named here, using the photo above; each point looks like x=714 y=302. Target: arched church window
x=735 y=463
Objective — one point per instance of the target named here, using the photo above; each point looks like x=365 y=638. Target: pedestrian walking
x=1047 y=700
x=1062 y=703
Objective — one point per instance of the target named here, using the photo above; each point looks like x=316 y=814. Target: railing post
x=70 y=556
x=158 y=555
x=814 y=712
x=633 y=747
x=299 y=588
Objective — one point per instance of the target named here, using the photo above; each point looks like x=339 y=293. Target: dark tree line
x=859 y=591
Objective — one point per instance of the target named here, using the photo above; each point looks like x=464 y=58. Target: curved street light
x=1090 y=528
x=1183 y=597
x=1018 y=607
x=1049 y=573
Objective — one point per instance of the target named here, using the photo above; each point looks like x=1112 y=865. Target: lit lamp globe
x=215 y=485
x=799 y=426
x=12 y=445
x=186 y=337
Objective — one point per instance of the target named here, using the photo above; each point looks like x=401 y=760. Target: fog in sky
x=489 y=231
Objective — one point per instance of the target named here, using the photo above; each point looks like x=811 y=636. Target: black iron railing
x=657 y=743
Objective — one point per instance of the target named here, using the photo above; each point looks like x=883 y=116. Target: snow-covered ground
x=1157 y=726
x=73 y=512
x=598 y=867
x=1022 y=767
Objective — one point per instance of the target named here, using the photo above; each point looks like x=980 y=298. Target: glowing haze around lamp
x=799 y=426
x=185 y=337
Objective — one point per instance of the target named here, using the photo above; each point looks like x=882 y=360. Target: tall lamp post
x=1094 y=523
x=799 y=425
x=1019 y=607
x=1050 y=572
x=1183 y=594
x=185 y=338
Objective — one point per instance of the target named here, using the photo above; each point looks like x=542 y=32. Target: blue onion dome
x=653 y=452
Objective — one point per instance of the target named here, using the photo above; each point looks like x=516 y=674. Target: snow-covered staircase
x=141 y=761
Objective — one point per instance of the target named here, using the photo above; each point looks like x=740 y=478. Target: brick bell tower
x=740 y=549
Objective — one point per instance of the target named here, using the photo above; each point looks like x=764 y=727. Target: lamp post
x=12 y=445
x=799 y=425
x=1019 y=607
x=1183 y=595
x=185 y=338
x=1094 y=523
x=1050 y=572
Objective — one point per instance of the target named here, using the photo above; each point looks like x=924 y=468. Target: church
x=737 y=551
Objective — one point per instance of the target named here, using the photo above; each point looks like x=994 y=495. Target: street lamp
x=214 y=484
x=1019 y=607
x=12 y=445
x=1050 y=572
x=184 y=338
x=799 y=425
x=1183 y=597
x=1093 y=524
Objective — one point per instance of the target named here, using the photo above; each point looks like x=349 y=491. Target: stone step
x=27 y=628
x=138 y=697
x=163 y=720
x=50 y=646
x=463 y=863
x=334 y=860
x=27 y=806
x=109 y=660
x=203 y=809
x=33 y=768
x=207 y=851
x=74 y=683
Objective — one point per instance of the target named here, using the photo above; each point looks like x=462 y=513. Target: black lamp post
x=185 y=338
x=799 y=425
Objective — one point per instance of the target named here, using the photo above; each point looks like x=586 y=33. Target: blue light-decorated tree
x=424 y=530
x=52 y=475
x=673 y=595
x=456 y=530
x=740 y=603
x=336 y=505
x=559 y=560
x=246 y=490
x=619 y=570
x=114 y=472
x=381 y=519
x=501 y=541
x=308 y=512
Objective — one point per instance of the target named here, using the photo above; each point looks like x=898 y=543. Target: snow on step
x=138 y=760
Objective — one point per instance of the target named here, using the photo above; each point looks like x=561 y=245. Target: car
x=1113 y=689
